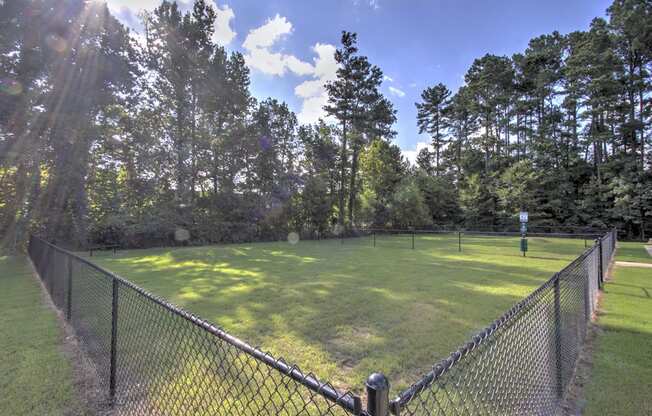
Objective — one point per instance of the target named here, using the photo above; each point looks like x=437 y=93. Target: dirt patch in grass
x=85 y=379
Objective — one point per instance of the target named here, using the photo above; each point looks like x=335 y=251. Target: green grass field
x=35 y=377
x=346 y=310
x=621 y=380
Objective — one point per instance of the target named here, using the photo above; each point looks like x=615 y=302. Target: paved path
x=633 y=264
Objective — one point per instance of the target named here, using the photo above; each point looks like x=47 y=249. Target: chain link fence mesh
x=153 y=358
x=523 y=362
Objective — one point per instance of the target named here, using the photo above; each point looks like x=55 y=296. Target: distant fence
x=153 y=358
x=410 y=238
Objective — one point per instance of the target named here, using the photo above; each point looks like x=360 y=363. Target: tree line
x=109 y=137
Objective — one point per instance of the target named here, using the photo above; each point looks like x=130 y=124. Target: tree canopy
x=106 y=136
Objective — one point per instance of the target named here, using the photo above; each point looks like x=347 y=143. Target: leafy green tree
x=430 y=117
x=407 y=205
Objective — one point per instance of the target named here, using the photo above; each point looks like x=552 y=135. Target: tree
x=430 y=117
x=355 y=101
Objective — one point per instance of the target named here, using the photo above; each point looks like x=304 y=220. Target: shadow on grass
x=345 y=311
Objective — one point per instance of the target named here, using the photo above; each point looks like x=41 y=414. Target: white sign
x=523 y=216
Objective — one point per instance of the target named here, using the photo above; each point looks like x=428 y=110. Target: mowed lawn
x=35 y=377
x=345 y=310
x=621 y=379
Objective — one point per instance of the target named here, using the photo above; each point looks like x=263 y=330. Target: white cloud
x=267 y=34
x=259 y=55
x=297 y=66
x=388 y=78
x=265 y=61
x=134 y=5
x=313 y=91
x=374 y=4
x=413 y=85
x=396 y=92
x=411 y=155
x=223 y=34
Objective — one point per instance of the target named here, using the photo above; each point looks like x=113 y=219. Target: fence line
x=523 y=362
x=157 y=359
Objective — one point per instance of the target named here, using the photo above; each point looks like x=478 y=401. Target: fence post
x=114 y=339
x=459 y=241
x=558 y=352
x=377 y=395
x=588 y=303
x=374 y=238
x=600 y=265
x=69 y=291
x=413 y=239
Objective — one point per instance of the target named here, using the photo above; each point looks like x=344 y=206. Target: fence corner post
x=114 y=340
x=377 y=387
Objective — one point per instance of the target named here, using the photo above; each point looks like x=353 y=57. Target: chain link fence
x=153 y=358
x=523 y=362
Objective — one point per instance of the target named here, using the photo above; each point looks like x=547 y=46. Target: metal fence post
x=588 y=304
x=412 y=239
x=374 y=238
x=69 y=291
x=558 y=351
x=377 y=387
x=600 y=264
x=114 y=339
x=459 y=241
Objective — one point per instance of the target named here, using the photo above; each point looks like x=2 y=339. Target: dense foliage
x=106 y=136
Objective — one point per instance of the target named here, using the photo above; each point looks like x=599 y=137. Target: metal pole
x=412 y=239
x=588 y=304
x=374 y=238
x=114 y=339
x=459 y=241
x=377 y=395
x=558 y=352
x=69 y=291
x=600 y=276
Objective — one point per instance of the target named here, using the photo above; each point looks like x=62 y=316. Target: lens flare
x=10 y=86
x=293 y=238
x=56 y=42
x=265 y=143
x=181 y=234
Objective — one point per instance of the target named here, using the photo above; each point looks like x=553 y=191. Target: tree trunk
x=343 y=157
x=352 y=184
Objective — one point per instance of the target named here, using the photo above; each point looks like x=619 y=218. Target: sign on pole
x=523 y=217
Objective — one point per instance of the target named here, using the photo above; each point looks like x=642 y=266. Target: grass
x=35 y=377
x=622 y=364
x=633 y=252
x=346 y=310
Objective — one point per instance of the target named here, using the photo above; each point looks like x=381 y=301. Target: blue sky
x=288 y=44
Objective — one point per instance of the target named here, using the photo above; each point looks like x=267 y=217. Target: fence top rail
x=347 y=400
x=488 y=233
x=442 y=366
